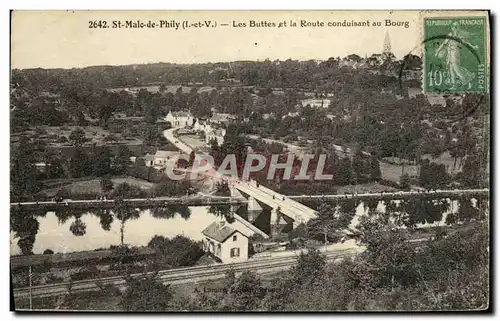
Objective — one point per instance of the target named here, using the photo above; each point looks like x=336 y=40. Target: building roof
x=316 y=102
x=181 y=114
x=165 y=153
x=149 y=157
x=222 y=117
x=217 y=132
x=218 y=233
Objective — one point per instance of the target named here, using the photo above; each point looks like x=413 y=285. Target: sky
x=63 y=39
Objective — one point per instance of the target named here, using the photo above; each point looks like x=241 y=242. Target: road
x=169 y=135
x=437 y=194
x=198 y=200
x=178 y=276
x=297 y=149
x=291 y=208
x=262 y=192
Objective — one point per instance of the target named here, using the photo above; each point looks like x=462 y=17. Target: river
x=57 y=236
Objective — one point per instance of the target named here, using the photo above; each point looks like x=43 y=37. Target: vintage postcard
x=250 y=161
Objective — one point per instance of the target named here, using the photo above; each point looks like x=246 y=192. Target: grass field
x=364 y=188
x=93 y=186
x=93 y=134
x=392 y=172
x=446 y=160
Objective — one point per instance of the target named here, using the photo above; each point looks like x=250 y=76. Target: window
x=235 y=252
x=234 y=238
x=218 y=250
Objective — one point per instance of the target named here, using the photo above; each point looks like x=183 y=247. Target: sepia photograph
x=250 y=161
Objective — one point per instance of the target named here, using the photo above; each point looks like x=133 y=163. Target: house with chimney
x=225 y=241
x=180 y=118
x=161 y=158
x=215 y=134
x=202 y=125
x=221 y=118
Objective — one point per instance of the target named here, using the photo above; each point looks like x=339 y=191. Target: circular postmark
x=437 y=73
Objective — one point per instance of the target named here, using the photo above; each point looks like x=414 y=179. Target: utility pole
x=31 y=300
x=325 y=230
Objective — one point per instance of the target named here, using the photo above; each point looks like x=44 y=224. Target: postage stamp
x=222 y=161
x=455 y=52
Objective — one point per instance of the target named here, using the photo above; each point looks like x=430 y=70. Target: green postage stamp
x=455 y=54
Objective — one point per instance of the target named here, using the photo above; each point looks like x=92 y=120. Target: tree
x=23 y=174
x=106 y=218
x=78 y=228
x=121 y=161
x=146 y=293
x=375 y=173
x=77 y=137
x=222 y=189
x=25 y=226
x=222 y=210
x=309 y=266
x=473 y=172
x=106 y=104
x=101 y=161
x=178 y=251
x=344 y=172
x=54 y=166
x=423 y=211
x=244 y=293
x=405 y=182
x=390 y=255
x=106 y=185
x=169 y=187
x=354 y=57
x=125 y=190
x=124 y=213
x=358 y=165
x=327 y=225
x=466 y=212
x=433 y=175
x=80 y=165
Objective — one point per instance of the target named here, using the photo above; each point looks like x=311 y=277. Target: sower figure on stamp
x=449 y=50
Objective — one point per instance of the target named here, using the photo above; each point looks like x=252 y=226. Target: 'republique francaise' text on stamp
x=455 y=55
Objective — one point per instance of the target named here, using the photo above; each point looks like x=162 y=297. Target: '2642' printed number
x=98 y=24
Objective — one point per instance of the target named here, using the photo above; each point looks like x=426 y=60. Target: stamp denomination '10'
x=455 y=55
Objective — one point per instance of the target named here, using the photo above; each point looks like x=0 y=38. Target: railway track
x=177 y=276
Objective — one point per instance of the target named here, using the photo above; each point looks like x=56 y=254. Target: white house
x=290 y=114
x=180 y=118
x=316 y=103
x=161 y=158
x=226 y=242
x=221 y=118
x=217 y=134
x=202 y=125
x=41 y=167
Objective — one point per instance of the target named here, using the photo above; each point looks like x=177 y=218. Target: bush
x=48 y=251
x=178 y=251
x=84 y=273
x=169 y=188
x=51 y=278
x=126 y=190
